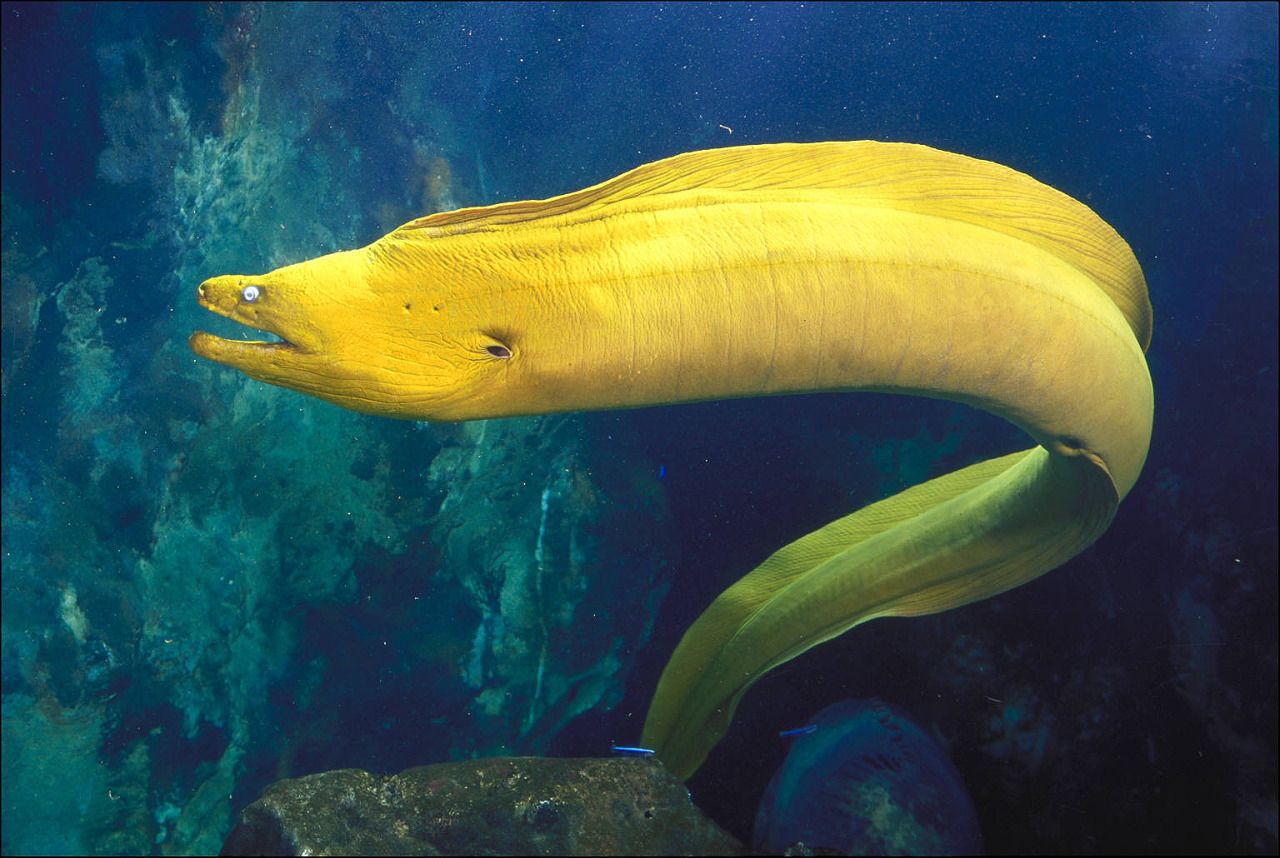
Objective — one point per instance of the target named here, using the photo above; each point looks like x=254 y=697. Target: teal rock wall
x=210 y=583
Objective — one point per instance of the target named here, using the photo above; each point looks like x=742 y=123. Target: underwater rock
x=493 y=806
x=561 y=551
x=865 y=780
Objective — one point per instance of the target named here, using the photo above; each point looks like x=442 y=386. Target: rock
x=493 y=806
x=866 y=780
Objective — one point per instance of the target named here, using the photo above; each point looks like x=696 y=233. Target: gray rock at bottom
x=494 y=806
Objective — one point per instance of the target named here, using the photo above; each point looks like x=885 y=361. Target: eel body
x=753 y=271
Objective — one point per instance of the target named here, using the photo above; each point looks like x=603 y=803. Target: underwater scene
x=639 y=428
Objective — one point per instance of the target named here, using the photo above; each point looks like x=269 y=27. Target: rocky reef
x=209 y=580
x=493 y=806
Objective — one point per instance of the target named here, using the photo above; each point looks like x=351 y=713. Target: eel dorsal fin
x=942 y=184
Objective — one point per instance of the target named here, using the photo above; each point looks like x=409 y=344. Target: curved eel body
x=753 y=271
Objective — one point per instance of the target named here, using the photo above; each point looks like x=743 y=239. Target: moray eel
x=752 y=271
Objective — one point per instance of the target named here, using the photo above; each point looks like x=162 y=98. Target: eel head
x=294 y=348
x=378 y=347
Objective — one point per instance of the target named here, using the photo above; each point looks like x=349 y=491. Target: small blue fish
x=662 y=471
x=798 y=731
x=631 y=749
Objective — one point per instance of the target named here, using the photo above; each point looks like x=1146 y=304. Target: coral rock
x=493 y=806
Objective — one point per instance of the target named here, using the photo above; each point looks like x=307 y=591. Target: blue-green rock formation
x=864 y=780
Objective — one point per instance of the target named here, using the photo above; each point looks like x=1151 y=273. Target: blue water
x=209 y=584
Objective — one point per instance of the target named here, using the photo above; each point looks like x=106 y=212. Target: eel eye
x=500 y=352
x=249 y=294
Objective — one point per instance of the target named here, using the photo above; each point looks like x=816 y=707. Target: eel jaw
x=240 y=354
x=267 y=360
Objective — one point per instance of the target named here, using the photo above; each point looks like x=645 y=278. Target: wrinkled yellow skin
x=752 y=271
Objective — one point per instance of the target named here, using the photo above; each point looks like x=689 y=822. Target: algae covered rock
x=863 y=779
x=493 y=806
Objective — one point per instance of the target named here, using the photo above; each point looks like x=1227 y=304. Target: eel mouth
x=235 y=353
x=222 y=295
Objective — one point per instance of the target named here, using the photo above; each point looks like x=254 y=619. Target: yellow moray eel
x=751 y=271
